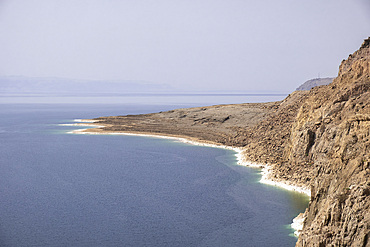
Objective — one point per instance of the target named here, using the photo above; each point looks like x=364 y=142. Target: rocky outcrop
x=318 y=139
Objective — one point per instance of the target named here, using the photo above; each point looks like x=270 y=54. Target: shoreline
x=266 y=169
x=312 y=140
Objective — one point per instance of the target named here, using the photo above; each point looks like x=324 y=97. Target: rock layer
x=318 y=139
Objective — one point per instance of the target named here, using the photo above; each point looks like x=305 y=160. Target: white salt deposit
x=266 y=172
x=297 y=224
x=85 y=120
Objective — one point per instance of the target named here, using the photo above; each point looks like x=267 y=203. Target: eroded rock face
x=332 y=130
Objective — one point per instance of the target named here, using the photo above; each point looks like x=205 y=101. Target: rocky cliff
x=318 y=139
x=332 y=132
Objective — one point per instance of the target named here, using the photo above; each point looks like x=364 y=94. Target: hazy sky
x=193 y=45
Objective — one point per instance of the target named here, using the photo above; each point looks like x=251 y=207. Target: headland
x=318 y=140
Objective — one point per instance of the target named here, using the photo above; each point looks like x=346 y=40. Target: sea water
x=60 y=189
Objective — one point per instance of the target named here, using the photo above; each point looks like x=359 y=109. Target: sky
x=192 y=45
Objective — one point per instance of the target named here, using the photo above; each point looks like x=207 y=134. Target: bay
x=60 y=189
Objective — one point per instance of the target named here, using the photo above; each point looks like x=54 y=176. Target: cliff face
x=332 y=132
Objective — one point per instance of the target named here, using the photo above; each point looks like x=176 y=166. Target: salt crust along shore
x=267 y=170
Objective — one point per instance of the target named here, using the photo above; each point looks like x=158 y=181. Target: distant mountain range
x=65 y=86
x=314 y=83
x=55 y=85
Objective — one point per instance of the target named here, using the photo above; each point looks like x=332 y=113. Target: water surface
x=60 y=189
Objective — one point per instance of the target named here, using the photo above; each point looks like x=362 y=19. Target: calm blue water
x=59 y=189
